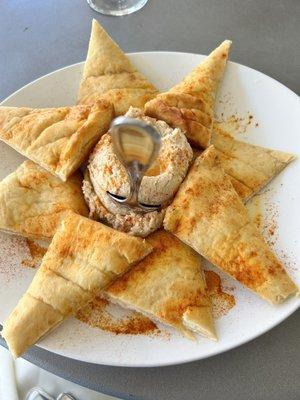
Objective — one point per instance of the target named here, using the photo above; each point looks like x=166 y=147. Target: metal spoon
x=39 y=393
x=136 y=144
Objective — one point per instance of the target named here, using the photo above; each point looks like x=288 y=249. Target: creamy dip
x=159 y=185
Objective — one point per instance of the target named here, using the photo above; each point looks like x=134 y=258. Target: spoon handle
x=135 y=172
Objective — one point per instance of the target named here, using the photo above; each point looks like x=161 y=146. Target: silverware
x=38 y=393
x=136 y=144
x=65 y=396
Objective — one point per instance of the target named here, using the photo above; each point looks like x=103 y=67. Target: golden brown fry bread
x=208 y=215
x=168 y=286
x=250 y=167
x=190 y=104
x=83 y=257
x=58 y=139
x=33 y=202
x=109 y=74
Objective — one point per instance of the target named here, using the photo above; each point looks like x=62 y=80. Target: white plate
x=244 y=90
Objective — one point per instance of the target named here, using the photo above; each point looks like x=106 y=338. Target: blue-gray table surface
x=39 y=36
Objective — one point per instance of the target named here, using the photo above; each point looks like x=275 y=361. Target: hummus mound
x=126 y=221
x=159 y=185
x=160 y=182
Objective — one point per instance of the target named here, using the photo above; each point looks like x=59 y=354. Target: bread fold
x=33 y=202
x=83 y=257
x=208 y=215
x=58 y=139
x=250 y=167
x=109 y=74
x=168 y=286
x=190 y=104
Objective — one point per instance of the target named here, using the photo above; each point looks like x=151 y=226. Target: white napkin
x=8 y=386
x=20 y=376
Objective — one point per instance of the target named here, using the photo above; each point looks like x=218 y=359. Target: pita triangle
x=208 y=215
x=58 y=139
x=250 y=167
x=33 y=202
x=83 y=257
x=190 y=104
x=109 y=74
x=167 y=286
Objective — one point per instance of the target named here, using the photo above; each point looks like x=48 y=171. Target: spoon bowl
x=136 y=144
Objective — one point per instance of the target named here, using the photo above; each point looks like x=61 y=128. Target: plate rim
x=217 y=351
x=80 y=63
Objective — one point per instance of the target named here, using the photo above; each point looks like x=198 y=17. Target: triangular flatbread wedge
x=33 y=202
x=83 y=257
x=249 y=167
x=190 y=104
x=167 y=286
x=208 y=215
x=58 y=139
x=109 y=74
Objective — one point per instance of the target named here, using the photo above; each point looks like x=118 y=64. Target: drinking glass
x=116 y=7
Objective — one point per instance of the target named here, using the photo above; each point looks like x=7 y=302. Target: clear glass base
x=116 y=7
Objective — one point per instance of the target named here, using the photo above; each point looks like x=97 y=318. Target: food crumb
x=270 y=226
x=236 y=124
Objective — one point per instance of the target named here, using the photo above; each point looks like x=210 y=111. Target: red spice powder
x=235 y=123
x=12 y=250
x=95 y=315
x=222 y=302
